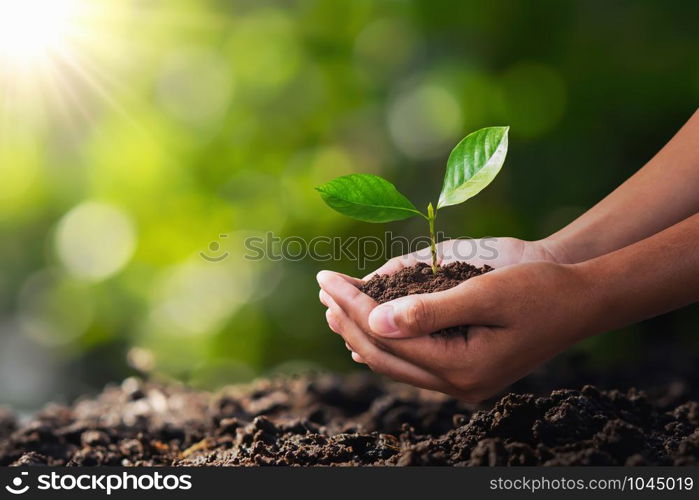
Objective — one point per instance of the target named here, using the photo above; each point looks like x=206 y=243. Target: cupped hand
x=495 y=252
x=518 y=316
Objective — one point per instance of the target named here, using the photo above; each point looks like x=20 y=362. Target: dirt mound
x=359 y=420
x=420 y=279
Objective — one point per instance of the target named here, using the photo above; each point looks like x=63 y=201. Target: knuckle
x=380 y=344
x=488 y=291
x=373 y=361
x=418 y=315
x=354 y=294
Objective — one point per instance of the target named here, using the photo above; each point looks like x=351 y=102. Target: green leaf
x=366 y=197
x=473 y=164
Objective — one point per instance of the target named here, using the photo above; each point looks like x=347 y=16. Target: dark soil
x=420 y=279
x=358 y=420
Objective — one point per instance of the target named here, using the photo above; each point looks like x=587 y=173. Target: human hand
x=494 y=252
x=519 y=317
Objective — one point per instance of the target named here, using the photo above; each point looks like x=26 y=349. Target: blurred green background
x=164 y=129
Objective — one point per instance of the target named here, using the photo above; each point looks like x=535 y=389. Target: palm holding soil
x=543 y=296
x=493 y=252
x=504 y=344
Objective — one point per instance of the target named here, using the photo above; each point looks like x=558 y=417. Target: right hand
x=519 y=316
x=496 y=252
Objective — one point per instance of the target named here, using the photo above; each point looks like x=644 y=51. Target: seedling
x=472 y=165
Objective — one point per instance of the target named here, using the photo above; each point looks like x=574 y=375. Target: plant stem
x=431 y=217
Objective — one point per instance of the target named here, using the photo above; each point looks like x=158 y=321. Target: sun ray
x=44 y=69
x=61 y=61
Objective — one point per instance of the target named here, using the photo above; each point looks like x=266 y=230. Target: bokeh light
x=424 y=121
x=196 y=297
x=95 y=240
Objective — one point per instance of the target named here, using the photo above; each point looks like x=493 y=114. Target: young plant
x=472 y=165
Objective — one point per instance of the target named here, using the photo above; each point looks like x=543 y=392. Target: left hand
x=495 y=252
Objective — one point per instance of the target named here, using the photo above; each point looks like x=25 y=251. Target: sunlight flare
x=54 y=62
x=30 y=30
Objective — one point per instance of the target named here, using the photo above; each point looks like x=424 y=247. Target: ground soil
x=351 y=420
x=421 y=279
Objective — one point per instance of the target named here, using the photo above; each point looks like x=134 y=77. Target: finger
x=347 y=296
x=385 y=363
x=357 y=358
x=456 y=359
x=350 y=279
x=326 y=299
x=332 y=322
x=469 y=303
x=381 y=361
x=428 y=352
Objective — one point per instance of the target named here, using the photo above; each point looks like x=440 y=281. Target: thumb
x=422 y=314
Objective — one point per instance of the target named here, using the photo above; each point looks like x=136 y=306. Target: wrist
x=591 y=297
x=552 y=250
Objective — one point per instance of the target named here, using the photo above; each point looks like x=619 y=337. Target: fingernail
x=322 y=276
x=327 y=280
x=382 y=321
x=332 y=321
